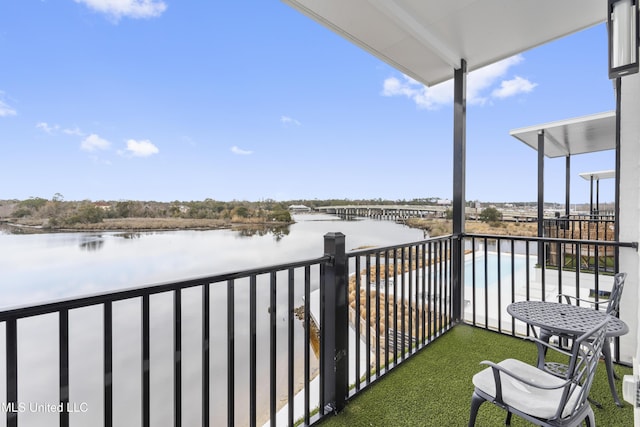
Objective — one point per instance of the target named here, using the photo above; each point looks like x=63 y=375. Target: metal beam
x=567 y=189
x=540 y=193
x=459 y=172
x=459 y=147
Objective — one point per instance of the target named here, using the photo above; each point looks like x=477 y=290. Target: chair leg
x=507 y=422
x=606 y=352
x=476 y=401
x=590 y=419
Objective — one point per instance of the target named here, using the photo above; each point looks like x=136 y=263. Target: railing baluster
x=473 y=280
x=63 y=348
x=146 y=378
x=377 y=323
x=420 y=294
x=410 y=292
x=252 y=351
x=443 y=266
x=307 y=342
x=290 y=315
x=367 y=324
x=108 y=363
x=513 y=282
x=206 y=374
x=395 y=308
x=321 y=369
x=578 y=269
x=358 y=316
x=430 y=307
x=387 y=315
x=402 y=305
x=273 y=348
x=486 y=282
x=498 y=250
x=12 y=372
x=177 y=358
x=231 y=374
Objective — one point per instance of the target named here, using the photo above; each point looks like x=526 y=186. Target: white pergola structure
x=434 y=40
x=596 y=177
x=566 y=138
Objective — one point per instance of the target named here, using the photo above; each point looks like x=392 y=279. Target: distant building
x=444 y=202
x=103 y=205
x=299 y=208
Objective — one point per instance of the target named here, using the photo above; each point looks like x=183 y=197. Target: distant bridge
x=390 y=212
x=401 y=212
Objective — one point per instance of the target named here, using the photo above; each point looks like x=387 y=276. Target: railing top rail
x=139 y=291
x=633 y=245
x=585 y=218
x=378 y=249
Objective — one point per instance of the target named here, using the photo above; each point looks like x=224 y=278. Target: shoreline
x=134 y=225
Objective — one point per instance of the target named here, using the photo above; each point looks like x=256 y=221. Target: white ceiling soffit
x=587 y=134
x=598 y=175
x=426 y=39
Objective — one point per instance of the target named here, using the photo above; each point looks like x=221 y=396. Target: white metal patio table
x=568 y=320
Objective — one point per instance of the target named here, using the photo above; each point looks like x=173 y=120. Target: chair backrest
x=613 y=307
x=585 y=356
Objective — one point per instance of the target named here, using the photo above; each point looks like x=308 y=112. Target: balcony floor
x=434 y=387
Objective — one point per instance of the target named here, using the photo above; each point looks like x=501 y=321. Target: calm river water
x=42 y=267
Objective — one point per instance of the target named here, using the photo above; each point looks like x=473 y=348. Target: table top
x=564 y=319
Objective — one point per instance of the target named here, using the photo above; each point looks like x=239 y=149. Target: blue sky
x=172 y=100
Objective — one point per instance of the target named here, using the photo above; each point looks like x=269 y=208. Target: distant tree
x=281 y=215
x=21 y=213
x=87 y=213
x=490 y=215
x=241 y=211
x=448 y=214
x=124 y=209
x=34 y=203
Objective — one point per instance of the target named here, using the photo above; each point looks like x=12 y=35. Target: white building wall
x=630 y=212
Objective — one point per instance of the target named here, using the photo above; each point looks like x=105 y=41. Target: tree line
x=57 y=212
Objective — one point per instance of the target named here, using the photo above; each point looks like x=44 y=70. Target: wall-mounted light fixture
x=622 y=28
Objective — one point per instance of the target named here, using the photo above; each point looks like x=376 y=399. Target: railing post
x=334 y=331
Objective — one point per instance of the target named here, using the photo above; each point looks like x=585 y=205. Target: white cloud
x=513 y=87
x=127 y=8
x=240 y=151
x=6 y=110
x=286 y=120
x=479 y=83
x=93 y=142
x=45 y=127
x=142 y=148
x=75 y=131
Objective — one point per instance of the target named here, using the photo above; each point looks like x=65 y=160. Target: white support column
x=629 y=220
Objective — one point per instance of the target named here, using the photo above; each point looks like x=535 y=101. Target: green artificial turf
x=434 y=387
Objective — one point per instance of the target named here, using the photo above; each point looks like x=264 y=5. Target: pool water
x=519 y=266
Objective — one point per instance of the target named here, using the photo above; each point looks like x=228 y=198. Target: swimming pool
x=519 y=268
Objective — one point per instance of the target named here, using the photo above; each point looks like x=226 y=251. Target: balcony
x=291 y=343
x=433 y=388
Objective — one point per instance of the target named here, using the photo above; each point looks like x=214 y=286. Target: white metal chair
x=538 y=396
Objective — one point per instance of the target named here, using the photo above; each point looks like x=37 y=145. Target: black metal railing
x=582 y=227
x=504 y=269
x=266 y=298
x=400 y=299
x=283 y=344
